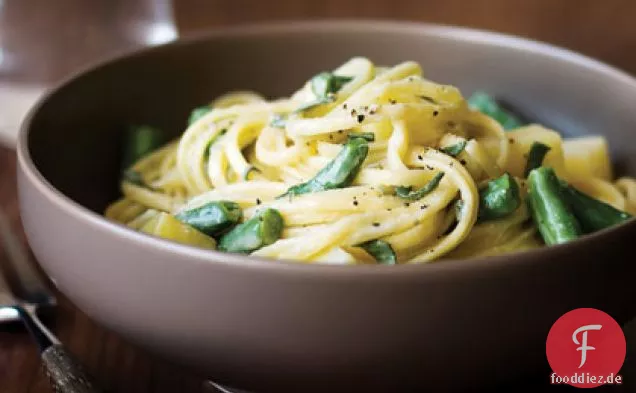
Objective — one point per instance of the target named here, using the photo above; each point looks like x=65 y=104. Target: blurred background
x=43 y=41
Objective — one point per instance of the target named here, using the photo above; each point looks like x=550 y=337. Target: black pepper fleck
x=511 y=141
x=462 y=161
x=353 y=112
x=406 y=204
x=419 y=157
x=355 y=203
x=435 y=113
x=330 y=137
x=344 y=106
x=340 y=131
x=430 y=168
x=392 y=101
x=360 y=118
x=258 y=201
x=376 y=224
x=423 y=206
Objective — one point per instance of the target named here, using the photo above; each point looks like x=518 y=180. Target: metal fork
x=64 y=372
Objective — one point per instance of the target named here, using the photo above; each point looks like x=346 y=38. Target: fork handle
x=65 y=373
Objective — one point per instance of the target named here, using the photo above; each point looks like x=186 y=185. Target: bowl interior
x=74 y=137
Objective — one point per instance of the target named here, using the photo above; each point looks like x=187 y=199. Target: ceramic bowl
x=277 y=326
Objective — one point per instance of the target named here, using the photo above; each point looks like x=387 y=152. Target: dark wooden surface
x=44 y=40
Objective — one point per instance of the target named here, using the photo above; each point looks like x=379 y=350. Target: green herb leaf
x=408 y=194
x=326 y=83
x=535 y=157
x=198 y=113
x=368 y=136
x=454 y=150
x=381 y=251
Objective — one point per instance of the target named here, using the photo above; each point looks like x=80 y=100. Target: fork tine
x=22 y=266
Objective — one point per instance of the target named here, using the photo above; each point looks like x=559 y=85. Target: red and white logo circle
x=586 y=348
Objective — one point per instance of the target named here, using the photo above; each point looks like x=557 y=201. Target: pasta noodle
x=253 y=151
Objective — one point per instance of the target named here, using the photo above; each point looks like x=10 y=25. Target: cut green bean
x=550 y=211
x=499 y=198
x=410 y=195
x=454 y=150
x=381 y=251
x=487 y=105
x=339 y=173
x=213 y=218
x=140 y=141
x=535 y=157
x=592 y=214
x=198 y=113
x=261 y=230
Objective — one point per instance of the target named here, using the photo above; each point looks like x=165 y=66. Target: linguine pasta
x=252 y=151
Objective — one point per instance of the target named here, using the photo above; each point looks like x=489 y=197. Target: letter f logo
x=584 y=347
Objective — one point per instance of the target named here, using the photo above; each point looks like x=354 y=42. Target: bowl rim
x=457 y=33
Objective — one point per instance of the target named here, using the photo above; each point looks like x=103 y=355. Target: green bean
x=499 y=198
x=198 y=113
x=339 y=173
x=487 y=105
x=407 y=193
x=140 y=141
x=213 y=218
x=535 y=157
x=550 y=211
x=381 y=251
x=454 y=150
x=592 y=214
x=261 y=230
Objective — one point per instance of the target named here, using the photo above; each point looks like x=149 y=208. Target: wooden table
x=44 y=40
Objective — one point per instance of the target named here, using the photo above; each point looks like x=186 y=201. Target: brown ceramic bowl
x=277 y=326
